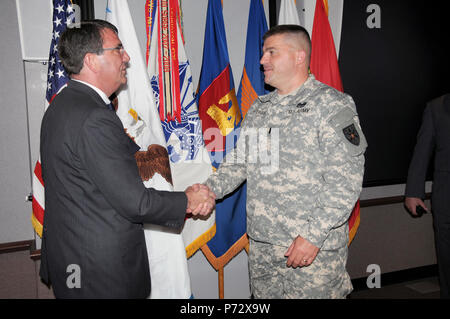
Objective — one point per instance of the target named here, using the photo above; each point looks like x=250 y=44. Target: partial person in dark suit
x=93 y=243
x=434 y=139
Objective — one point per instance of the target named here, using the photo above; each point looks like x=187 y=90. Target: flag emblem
x=188 y=130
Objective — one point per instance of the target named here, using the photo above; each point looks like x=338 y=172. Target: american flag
x=63 y=15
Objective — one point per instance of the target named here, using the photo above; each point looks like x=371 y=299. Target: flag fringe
x=36 y=225
x=354 y=229
x=200 y=241
x=220 y=262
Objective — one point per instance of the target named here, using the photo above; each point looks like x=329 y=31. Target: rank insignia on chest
x=301 y=104
x=302 y=110
x=351 y=134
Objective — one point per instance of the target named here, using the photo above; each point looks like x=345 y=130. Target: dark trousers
x=442 y=239
x=441 y=223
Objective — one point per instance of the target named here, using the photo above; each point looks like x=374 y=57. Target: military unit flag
x=138 y=112
x=288 y=13
x=221 y=110
x=168 y=66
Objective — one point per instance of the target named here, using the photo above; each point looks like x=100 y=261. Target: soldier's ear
x=301 y=57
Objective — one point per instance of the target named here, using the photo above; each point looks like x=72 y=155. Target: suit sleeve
x=107 y=155
x=415 y=185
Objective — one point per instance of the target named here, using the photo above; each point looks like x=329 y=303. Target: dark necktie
x=111 y=107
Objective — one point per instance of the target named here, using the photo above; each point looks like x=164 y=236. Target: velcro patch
x=351 y=134
x=346 y=127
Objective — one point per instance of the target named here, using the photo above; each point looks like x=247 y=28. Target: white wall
x=15 y=174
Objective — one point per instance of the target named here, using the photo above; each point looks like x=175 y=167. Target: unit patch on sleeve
x=345 y=124
x=351 y=134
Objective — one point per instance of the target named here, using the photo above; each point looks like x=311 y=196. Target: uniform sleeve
x=107 y=154
x=232 y=172
x=342 y=144
x=227 y=177
x=415 y=185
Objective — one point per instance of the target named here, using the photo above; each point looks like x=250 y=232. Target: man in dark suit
x=93 y=242
x=434 y=139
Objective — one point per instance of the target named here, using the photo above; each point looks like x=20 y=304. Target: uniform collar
x=274 y=96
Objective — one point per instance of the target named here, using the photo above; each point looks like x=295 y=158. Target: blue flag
x=220 y=108
x=252 y=80
x=220 y=115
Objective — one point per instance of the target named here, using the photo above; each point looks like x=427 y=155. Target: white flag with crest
x=138 y=113
x=190 y=162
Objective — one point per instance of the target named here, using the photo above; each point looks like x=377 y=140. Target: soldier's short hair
x=297 y=31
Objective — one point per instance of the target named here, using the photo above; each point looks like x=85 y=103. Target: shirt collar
x=96 y=89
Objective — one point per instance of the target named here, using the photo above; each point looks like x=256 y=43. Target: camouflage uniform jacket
x=306 y=173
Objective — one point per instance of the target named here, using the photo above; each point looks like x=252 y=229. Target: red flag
x=324 y=66
x=324 y=63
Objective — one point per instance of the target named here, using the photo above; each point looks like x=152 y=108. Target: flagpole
x=221 y=288
x=24 y=63
x=28 y=130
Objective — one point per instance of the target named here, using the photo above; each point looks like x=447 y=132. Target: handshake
x=201 y=200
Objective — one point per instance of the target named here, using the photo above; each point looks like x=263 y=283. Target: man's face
x=279 y=61
x=113 y=62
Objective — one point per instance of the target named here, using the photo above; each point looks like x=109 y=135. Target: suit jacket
x=433 y=139
x=96 y=202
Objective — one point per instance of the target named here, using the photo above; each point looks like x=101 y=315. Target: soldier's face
x=279 y=61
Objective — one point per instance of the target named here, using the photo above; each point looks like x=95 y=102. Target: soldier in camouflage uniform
x=302 y=180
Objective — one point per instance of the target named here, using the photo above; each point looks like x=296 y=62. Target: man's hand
x=301 y=253
x=412 y=202
x=201 y=200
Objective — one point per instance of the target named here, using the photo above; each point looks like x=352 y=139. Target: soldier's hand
x=301 y=253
